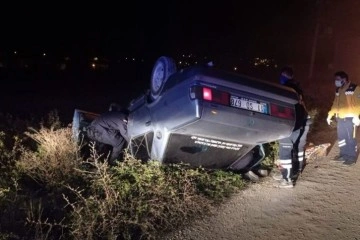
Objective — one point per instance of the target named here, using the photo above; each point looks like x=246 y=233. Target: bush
x=56 y=159
x=271 y=155
x=51 y=192
x=136 y=200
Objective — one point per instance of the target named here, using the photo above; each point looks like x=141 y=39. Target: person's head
x=286 y=74
x=341 y=78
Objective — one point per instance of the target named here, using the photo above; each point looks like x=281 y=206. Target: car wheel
x=164 y=67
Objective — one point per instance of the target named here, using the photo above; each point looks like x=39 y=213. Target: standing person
x=292 y=148
x=346 y=109
x=110 y=128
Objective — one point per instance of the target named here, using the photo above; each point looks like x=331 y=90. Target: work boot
x=338 y=159
x=296 y=175
x=349 y=162
x=285 y=184
x=277 y=176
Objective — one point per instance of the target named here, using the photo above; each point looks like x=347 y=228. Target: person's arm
x=302 y=102
x=333 y=110
x=356 y=98
x=300 y=92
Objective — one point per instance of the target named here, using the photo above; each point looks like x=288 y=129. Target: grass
x=48 y=190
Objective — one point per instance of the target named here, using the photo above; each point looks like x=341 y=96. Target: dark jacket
x=110 y=123
x=110 y=128
x=300 y=109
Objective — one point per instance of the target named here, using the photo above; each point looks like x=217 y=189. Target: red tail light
x=282 y=111
x=207 y=94
x=210 y=94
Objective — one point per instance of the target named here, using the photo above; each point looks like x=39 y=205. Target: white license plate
x=249 y=104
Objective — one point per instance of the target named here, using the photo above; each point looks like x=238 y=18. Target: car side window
x=141 y=146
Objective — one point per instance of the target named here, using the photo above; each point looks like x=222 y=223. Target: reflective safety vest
x=346 y=102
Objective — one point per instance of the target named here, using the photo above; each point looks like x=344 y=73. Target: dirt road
x=325 y=204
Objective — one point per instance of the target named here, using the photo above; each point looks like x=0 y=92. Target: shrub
x=55 y=160
x=51 y=192
x=271 y=155
x=136 y=200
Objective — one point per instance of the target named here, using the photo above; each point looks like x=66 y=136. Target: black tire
x=163 y=68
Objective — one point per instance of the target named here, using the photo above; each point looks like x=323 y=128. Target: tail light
x=282 y=111
x=210 y=94
x=220 y=97
x=207 y=94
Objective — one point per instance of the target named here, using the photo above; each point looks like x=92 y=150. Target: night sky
x=157 y=27
x=168 y=27
x=226 y=30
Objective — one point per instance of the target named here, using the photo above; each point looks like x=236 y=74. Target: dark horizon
x=232 y=33
x=280 y=29
x=171 y=27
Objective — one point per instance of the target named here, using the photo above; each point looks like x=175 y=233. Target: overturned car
x=205 y=117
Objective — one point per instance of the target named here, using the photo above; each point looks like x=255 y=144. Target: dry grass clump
x=51 y=192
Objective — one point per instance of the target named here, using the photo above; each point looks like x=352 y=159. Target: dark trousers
x=110 y=137
x=292 y=152
x=301 y=148
x=347 y=142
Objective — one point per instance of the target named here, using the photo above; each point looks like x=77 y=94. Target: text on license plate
x=249 y=104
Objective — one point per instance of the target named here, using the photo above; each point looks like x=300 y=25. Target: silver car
x=207 y=117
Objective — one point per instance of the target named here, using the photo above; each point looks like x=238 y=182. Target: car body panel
x=176 y=121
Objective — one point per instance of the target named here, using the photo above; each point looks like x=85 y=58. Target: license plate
x=249 y=104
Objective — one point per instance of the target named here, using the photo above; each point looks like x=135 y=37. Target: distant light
x=15 y=52
x=96 y=58
x=133 y=59
x=93 y=65
x=180 y=62
x=67 y=58
x=195 y=62
x=44 y=54
x=276 y=66
x=235 y=68
x=183 y=55
x=126 y=58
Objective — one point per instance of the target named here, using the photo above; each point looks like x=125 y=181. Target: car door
x=140 y=129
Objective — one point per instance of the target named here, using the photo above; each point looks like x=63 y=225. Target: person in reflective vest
x=346 y=110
